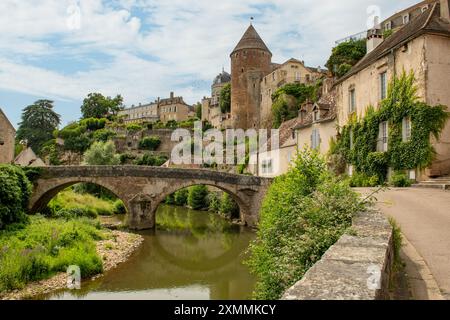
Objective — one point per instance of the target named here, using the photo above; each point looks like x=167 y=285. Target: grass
x=398 y=242
x=69 y=202
x=45 y=247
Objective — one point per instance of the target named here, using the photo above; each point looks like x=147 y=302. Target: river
x=192 y=255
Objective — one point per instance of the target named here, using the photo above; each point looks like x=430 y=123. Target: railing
x=354 y=37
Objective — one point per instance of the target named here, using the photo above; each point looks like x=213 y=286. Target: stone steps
x=442 y=183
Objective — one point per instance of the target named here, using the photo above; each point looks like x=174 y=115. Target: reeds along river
x=191 y=255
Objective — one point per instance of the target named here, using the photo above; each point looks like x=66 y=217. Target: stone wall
x=7 y=137
x=357 y=267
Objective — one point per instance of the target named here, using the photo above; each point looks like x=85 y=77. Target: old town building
x=164 y=110
x=7 y=138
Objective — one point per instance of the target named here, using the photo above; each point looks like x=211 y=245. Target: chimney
x=374 y=36
x=445 y=12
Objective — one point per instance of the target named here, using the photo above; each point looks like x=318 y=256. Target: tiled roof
x=327 y=106
x=428 y=22
x=251 y=40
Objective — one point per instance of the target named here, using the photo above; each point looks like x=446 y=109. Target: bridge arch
x=41 y=198
x=142 y=189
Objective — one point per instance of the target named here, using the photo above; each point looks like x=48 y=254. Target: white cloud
x=160 y=46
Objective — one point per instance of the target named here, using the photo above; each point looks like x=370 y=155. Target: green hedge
x=304 y=213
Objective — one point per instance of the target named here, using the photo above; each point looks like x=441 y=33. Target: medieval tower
x=251 y=61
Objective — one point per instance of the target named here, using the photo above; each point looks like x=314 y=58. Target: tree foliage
x=39 y=120
x=305 y=212
x=15 y=191
x=198 y=197
x=150 y=143
x=346 y=55
x=225 y=98
x=101 y=153
x=95 y=105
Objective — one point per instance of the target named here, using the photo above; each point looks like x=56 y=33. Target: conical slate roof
x=251 y=40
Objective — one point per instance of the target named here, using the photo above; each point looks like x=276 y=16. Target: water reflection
x=192 y=255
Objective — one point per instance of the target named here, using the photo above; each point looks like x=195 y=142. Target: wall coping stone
x=343 y=272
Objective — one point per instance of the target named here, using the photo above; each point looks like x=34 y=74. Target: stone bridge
x=142 y=189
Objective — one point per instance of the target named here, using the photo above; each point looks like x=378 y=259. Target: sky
x=143 y=49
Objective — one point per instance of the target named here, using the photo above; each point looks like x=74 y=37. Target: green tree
x=181 y=197
x=198 y=110
x=98 y=106
x=101 y=153
x=228 y=207
x=225 y=98
x=198 y=197
x=150 y=143
x=344 y=55
x=39 y=120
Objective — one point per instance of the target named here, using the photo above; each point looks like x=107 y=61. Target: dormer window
x=406 y=18
x=316 y=115
x=388 y=26
x=424 y=8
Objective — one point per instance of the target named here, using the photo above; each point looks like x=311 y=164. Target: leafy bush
x=45 y=247
x=400 y=180
x=94 y=124
x=303 y=214
x=15 y=191
x=104 y=135
x=360 y=180
x=126 y=157
x=151 y=160
x=150 y=143
x=181 y=197
x=228 y=207
x=345 y=55
x=119 y=207
x=134 y=128
x=198 y=197
x=101 y=154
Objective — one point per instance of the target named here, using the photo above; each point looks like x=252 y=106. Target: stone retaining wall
x=357 y=267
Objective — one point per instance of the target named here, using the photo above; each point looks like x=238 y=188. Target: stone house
x=27 y=158
x=292 y=71
x=422 y=46
x=7 y=139
x=164 y=110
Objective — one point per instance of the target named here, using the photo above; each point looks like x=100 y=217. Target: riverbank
x=114 y=250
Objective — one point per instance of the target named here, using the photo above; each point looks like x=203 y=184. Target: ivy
x=418 y=152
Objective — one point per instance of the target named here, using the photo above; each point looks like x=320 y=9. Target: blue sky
x=144 y=49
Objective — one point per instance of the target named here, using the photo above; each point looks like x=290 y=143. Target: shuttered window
x=315 y=139
x=406 y=129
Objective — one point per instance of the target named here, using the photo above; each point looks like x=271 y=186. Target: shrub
x=104 y=135
x=304 y=213
x=15 y=191
x=119 y=207
x=360 y=180
x=134 y=128
x=150 y=143
x=400 y=180
x=198 y=197
x=102 y=153
x=228 y=207
x=181 y=197
x=126 y=157
x=94 y=124
x=151 y=160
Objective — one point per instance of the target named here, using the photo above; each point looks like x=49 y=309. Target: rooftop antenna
x=251 y=20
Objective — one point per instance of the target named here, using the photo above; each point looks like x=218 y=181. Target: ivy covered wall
x=358 y=142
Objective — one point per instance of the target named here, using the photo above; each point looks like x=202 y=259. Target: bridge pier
x=142 y=215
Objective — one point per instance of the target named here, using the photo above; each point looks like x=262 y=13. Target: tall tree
x=225 y=98
x=345 y=55
x=101 y=154
x=198 y=110
x=97 y=105
x=39 y=121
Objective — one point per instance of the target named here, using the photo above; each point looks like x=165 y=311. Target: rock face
x=357 y=267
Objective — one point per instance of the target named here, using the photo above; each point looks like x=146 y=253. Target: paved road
x=424 y=217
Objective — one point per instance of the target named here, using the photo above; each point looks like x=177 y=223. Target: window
x=273 y=76
x=267 y=166
x=383 y=85
x=297 y=76
x=424 y=8
x=315 y=139
x=308 y=78
x=352 y=100
x=388 y=26
x=383 y=135
x=406 y=129
x=316 y=115
x=406 y=18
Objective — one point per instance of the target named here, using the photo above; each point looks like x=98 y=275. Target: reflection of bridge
x=142 y=189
